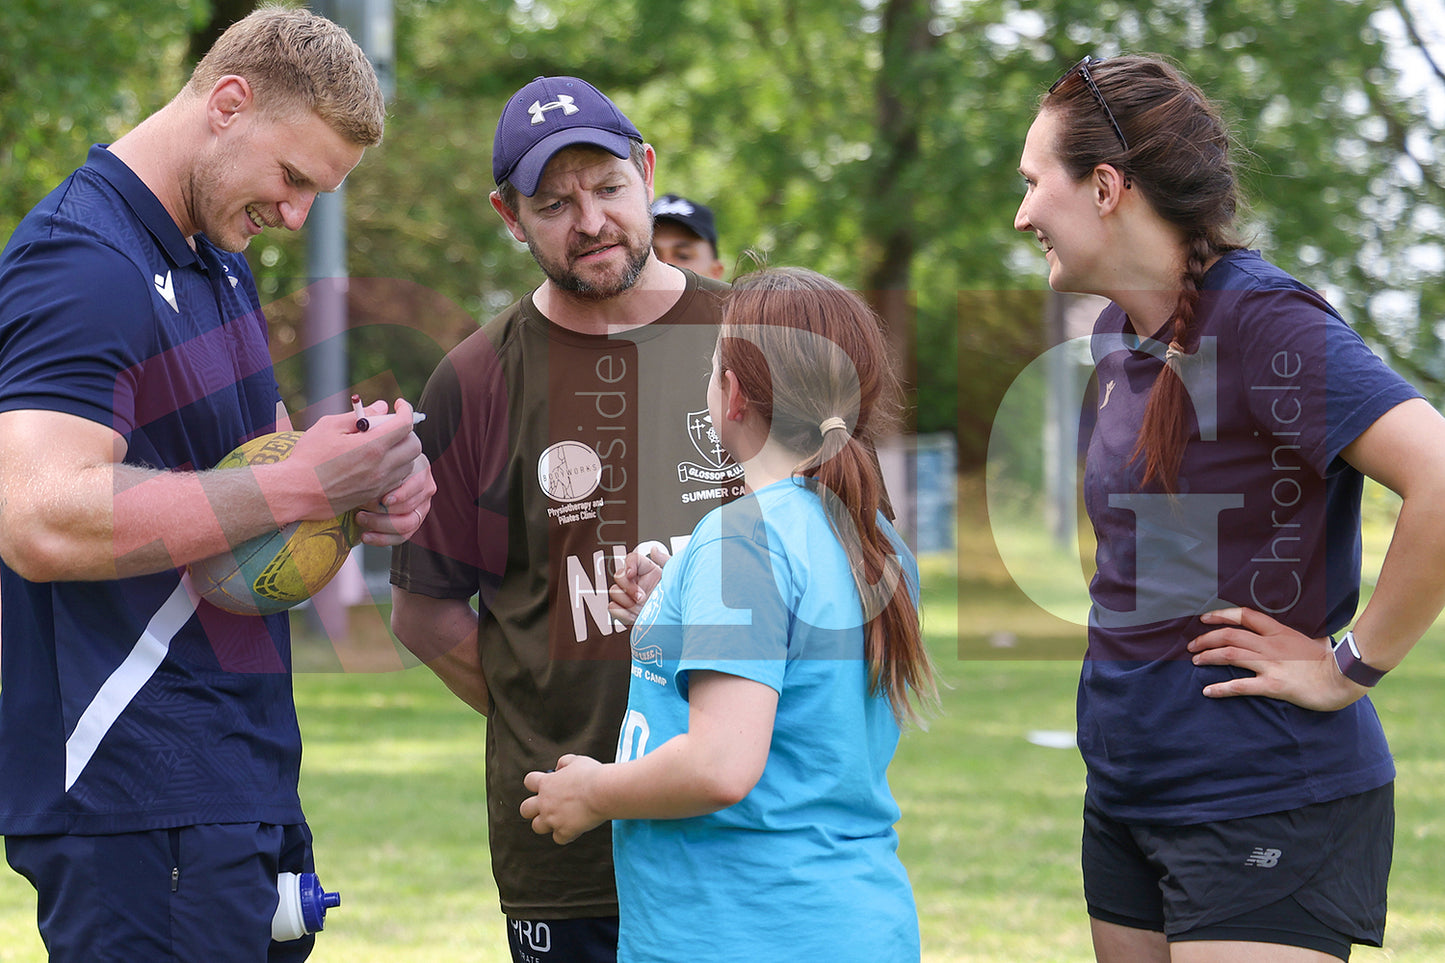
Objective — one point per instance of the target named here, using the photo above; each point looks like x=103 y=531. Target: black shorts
x=583 y=940
x=1313 y=877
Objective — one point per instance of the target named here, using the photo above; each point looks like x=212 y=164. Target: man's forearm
x=443 y=634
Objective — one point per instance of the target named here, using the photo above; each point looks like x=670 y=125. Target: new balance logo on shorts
x=1263 y=858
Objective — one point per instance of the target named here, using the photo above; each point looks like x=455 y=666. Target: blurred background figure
x=684 y=234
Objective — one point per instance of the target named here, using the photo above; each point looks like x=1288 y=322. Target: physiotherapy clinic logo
x=569 y=471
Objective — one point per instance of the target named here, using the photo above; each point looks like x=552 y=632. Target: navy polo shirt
x=126 y=705
x=1267 y=516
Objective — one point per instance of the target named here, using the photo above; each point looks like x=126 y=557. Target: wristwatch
x=1352 y=667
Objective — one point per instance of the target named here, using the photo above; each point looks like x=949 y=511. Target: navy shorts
x=584 y=940
x=1313 y=877
x=197 y=894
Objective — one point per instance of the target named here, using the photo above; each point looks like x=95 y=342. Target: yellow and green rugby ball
x=280 y=569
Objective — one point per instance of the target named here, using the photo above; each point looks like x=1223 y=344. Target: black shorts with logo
x=1312 y=877
x=581 y=940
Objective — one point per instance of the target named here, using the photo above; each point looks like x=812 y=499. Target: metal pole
x=327 y=373
x=326 y=318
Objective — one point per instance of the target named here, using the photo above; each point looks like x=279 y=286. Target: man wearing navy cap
x=684 y=234
x=568 y=432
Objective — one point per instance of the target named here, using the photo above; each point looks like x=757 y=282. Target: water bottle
x=302 y=907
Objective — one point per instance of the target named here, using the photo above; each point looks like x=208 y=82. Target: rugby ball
x=280 y=569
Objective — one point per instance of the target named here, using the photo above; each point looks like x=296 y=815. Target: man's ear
x=228 y=100
x=509 y=216
x=649 y=170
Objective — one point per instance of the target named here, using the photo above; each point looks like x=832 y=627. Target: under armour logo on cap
x=547 y=115
x=538 y=110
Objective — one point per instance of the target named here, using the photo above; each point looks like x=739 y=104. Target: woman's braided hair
x=1178 y=157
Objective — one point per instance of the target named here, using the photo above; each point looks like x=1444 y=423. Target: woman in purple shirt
x=1239 y=801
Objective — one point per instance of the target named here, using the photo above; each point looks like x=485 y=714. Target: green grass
x=392 y=783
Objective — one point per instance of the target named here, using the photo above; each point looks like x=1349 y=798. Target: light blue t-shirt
x=805 y=867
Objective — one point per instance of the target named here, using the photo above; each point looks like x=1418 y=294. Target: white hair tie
x=832 y=424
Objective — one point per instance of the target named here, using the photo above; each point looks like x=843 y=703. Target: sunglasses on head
x=1082 y=69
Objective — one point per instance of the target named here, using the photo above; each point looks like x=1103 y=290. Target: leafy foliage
x=76 y=74
x=875 y=140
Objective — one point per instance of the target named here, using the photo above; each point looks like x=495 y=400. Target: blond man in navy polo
x=148 y=740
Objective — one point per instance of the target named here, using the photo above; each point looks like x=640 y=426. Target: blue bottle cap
x=314 y=902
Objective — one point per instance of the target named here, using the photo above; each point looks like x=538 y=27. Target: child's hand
x=634 y=582
x=560 y=805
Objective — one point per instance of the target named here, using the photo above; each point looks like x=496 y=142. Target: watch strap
x=1352 y=667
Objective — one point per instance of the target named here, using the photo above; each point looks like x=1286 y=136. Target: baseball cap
x=696 y=217
x=547 y=115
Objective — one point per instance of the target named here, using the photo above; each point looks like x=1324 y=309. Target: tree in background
x=72 y=75
x=874 y=140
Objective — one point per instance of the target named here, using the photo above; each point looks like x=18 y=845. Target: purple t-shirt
x=1267 y=516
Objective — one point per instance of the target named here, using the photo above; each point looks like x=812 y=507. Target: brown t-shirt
x=553 y=453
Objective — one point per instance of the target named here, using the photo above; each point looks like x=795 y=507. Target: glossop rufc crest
x=719 y=465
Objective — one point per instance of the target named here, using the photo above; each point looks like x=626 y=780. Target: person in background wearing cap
x=684 y=235
x=565 y=434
